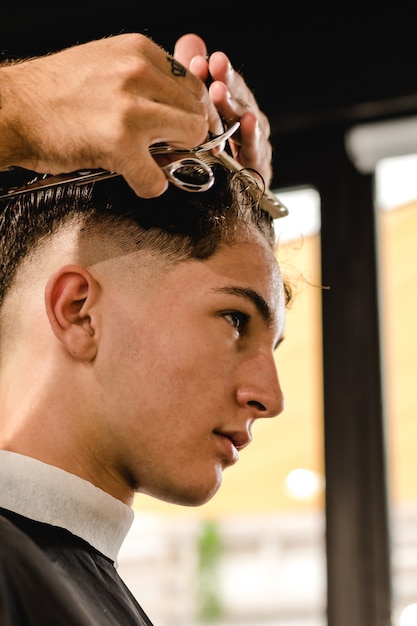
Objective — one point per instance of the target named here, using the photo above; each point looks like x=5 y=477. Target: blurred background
x=317 y=523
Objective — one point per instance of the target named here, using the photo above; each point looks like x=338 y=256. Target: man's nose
x=261 y=390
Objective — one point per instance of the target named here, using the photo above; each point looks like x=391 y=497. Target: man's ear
x=69 y=298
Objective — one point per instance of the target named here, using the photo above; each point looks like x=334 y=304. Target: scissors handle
x=189 y=174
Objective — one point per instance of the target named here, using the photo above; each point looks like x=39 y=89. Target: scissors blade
x=80 y=177
x=208 y=145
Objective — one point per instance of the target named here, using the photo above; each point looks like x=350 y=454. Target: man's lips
x=239 y=439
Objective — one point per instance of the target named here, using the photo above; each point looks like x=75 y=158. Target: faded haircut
x=178 y=224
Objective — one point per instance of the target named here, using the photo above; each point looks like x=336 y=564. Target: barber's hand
x=234 y=101
x=101 y=105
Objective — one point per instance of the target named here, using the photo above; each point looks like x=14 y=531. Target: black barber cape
x=59 y=538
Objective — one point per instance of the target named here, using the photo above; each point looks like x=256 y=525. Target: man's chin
x=196 y=498
x=193 y=494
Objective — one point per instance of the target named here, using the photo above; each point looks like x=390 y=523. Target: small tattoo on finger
x=176 y=68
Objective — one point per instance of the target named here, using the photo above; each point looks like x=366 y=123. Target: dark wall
x=306 y=66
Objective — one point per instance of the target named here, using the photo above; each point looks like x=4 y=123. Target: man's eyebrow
x=254 y=297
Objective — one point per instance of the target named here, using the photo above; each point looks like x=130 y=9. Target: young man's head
x=137 y=336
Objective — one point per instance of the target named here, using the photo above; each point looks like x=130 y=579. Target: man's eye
x=238 y=320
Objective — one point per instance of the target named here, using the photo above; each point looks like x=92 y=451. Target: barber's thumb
x=148 y=181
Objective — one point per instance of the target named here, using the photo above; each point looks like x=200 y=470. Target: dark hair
x=178 y=223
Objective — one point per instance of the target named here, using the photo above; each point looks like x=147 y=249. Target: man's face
x=185 y=366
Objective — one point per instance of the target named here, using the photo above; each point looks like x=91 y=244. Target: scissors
x=189 y=172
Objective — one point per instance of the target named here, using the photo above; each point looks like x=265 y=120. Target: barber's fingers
x=172 y=113
x=239 y=99
x=166 y=79
x=228 y=90
x=253 y=148
x=144 y=176
x=233 y=100
x=189 y=46
x=132 y=158
x=250 y=145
